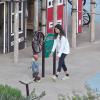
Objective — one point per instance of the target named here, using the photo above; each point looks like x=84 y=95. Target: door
x=2 y=27
x=60 y=9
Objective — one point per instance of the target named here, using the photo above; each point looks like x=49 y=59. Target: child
x=35 y=67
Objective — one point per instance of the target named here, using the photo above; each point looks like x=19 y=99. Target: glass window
x=49 y=3
x=60 y=2
x=20 y=6
x=20 y=13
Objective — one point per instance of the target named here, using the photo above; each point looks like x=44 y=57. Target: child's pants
x=35 y=68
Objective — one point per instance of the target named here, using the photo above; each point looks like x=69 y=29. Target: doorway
x=1 y=26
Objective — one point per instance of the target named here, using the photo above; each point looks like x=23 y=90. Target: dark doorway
x=1 y=26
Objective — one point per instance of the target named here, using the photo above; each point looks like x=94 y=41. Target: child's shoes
x=37 y=79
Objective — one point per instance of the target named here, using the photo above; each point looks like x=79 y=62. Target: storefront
x=7 y=25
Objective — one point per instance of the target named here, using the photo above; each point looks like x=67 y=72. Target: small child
x=35 y=67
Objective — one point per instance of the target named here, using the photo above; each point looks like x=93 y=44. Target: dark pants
x=61 y=63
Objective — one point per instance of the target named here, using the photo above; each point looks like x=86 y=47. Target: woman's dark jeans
x=61 y=63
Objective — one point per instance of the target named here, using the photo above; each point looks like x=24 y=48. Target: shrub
x=34 y=96
x=9 y=93
x=90 y=95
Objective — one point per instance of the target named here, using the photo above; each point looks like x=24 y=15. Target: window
x=20 y=4
x=50 y=3
x=60 y=2
x=20 y=17
x=59 y=21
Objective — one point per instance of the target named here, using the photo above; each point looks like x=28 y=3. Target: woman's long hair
x=62 y=32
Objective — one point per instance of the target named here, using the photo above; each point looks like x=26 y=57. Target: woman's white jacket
x=61 y=44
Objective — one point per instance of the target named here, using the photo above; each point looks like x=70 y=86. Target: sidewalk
x=83 y=62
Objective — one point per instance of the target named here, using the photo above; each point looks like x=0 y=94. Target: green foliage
x=61 y=97
x=34 y=96
x=90 y=95
x=9 y=93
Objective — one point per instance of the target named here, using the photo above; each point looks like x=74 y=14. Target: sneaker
x=54 y=77
x=37 y=79
x=65 y=78
x=67 y=74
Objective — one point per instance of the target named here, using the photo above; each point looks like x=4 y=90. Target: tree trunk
x=65 y=17
x=74 y=22
x=55 y=12
x=92 y=23
x=36 y=22
x=16 y=35
x=44 y=16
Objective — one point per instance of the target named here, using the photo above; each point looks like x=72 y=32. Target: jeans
x=35 y=67
x=61 y=63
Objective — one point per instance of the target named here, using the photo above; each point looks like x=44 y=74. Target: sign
x=49 y=40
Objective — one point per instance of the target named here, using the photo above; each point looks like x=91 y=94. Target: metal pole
x=27 y=90
x=74 y=22
x=36 y=22
x=55 y=22
x=54 y=63
x=44 y=32
x=92 y=23
x=16 y=35
x=43 y=60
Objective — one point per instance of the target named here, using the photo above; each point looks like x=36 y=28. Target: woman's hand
x=51 y=54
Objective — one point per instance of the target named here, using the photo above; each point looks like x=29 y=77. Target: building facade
x=7 y=14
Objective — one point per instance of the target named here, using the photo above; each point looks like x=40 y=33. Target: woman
x=61 y=44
